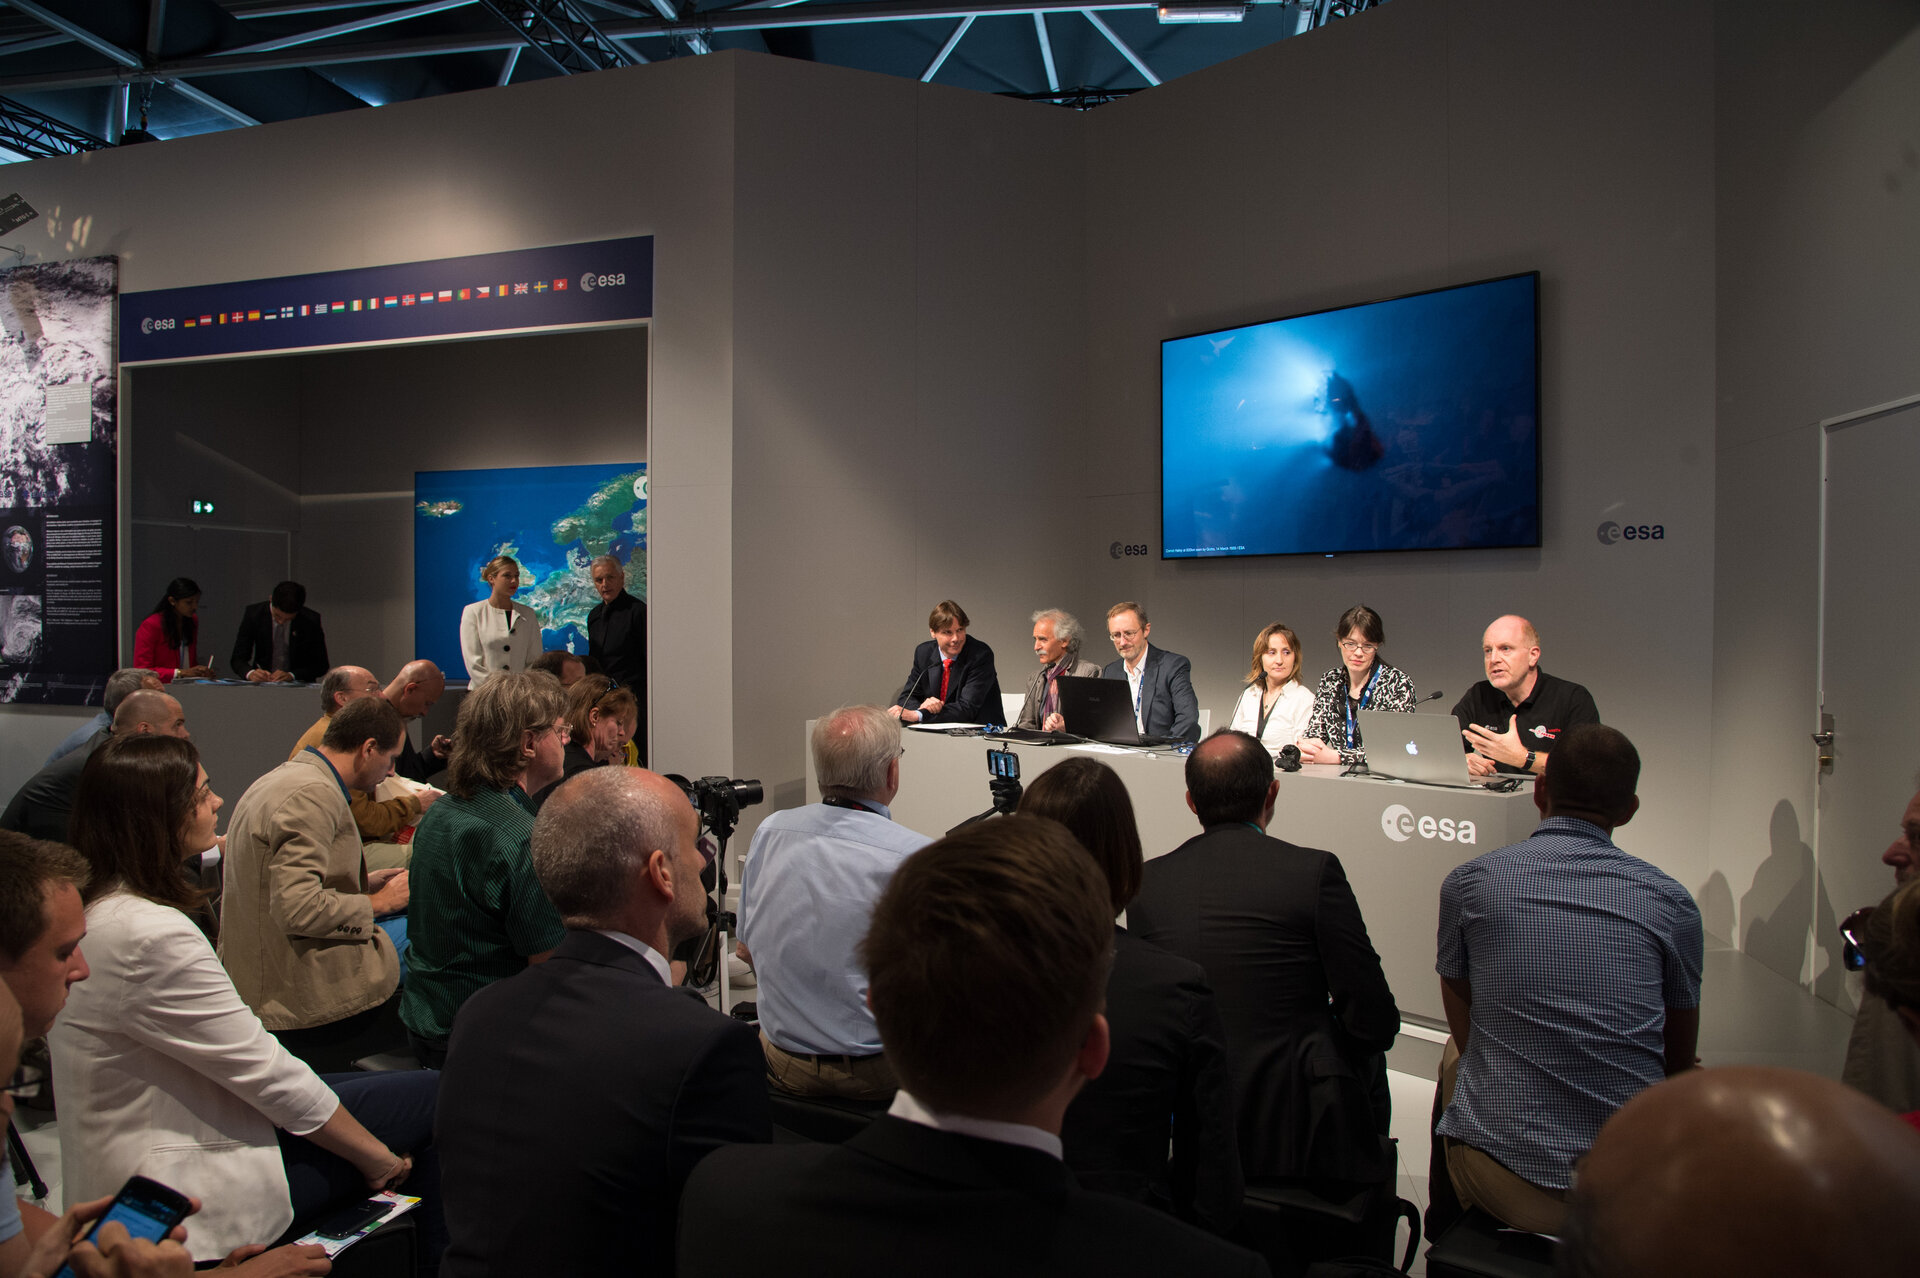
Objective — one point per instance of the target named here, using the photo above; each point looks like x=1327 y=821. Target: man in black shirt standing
x=1511 y=717
x=617 y=638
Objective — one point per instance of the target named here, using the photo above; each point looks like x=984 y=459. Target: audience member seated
x=1892 y=948
x=1511 y=718
x=1276 y=706
x=376 y=819
x=568 y=668
x=1883 y=1060
x=1056 y=642
x=600 y=722
x=297 y=926
x=1279 y=934
x=1362 y=681
x=1570 y=973
x=497 y=634
x=988 y=953
x=952 y=679
x=43 y=806
x=167 y=640
x=1162 y=681
x=477 y=912
x=1746 y=1172
x=280 y=639
x=119 y=684
x=413 y=692
x=1167 y=1081
x=636 y=1082
x=807 y=890
x=161 y=1069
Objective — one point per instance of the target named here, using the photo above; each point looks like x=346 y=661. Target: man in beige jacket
x=297 y=929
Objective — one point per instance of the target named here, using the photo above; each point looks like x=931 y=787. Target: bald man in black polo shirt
x=1510 y=718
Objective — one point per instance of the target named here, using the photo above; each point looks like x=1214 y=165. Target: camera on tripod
x=719 y=800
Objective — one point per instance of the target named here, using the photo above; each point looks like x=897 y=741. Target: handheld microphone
x=1288 y=760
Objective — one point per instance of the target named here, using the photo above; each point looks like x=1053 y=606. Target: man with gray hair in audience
x=647 y=1081
x=119 y=684
x=378 y=820
x=1056 y=642
x=42 y=807
x=811 y=878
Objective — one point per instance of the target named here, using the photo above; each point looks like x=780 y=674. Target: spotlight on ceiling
x=1201 y=11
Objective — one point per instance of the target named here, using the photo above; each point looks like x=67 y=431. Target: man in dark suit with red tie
x=953 y=679
x=987 y=967
x=617 y=638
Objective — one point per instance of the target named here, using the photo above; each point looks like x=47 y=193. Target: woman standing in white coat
x=496 y=633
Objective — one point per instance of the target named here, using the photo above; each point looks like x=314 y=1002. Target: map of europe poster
x=555 y=520
x=58 y=481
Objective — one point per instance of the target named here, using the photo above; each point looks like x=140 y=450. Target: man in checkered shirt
x=1570 y=972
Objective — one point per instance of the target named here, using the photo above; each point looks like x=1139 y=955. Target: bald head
x=343 y=684
x=415 y=689
x=1746 y=1171
x=619 y=848
x=1510 y=650
x=146 y=711
x=1230 y=778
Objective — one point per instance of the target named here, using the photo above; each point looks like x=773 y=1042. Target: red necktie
x=946 y=674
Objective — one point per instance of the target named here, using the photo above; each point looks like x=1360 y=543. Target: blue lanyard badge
x=1366 y=700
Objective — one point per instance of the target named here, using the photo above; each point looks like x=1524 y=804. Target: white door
x=1869 y=676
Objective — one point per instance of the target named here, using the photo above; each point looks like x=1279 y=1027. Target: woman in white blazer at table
x=162 y=1070
x=496 y=633
x=1275 y=706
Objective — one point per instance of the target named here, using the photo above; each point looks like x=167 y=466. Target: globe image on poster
x=19 y=548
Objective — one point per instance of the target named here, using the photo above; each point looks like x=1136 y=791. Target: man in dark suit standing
x=589 y=1072
x=952 y=679
x=281 y=639
x=1307 y=1009
x=1162 y=681
x=963 y=1175
x=617 y=638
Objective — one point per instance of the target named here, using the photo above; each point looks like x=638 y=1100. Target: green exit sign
x=203 y=508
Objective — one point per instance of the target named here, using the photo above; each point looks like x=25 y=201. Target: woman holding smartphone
x=161 y=1068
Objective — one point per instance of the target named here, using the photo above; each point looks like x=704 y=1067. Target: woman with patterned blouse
x=1362 y=681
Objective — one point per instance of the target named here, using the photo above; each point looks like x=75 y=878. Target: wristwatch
x=1528 y=765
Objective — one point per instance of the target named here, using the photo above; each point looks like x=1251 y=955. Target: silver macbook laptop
x=1415 y=747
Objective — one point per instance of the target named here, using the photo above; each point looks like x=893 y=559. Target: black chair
x=823 y=1120
x=1478 y=1246
x=1296 y=1221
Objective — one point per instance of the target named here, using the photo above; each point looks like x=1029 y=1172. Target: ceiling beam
x=1046 y=51
x=344 y=28
x=1121 y=45
x=940 y=58
x=114 y=53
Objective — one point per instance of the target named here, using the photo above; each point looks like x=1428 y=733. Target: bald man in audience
x=43 y=805
x=119 y=684
x=1746 y=1171
x=413 y=692
x=378 y=820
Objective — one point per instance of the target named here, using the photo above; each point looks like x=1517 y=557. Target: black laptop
x=1102 y=710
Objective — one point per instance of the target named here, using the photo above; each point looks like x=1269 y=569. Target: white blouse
x=162 y=1071
x=492 y=639
x=1288 y=722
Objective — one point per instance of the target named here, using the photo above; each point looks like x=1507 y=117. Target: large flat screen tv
x=1406 y=424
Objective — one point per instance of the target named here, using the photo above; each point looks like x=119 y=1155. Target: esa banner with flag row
x=603 y=282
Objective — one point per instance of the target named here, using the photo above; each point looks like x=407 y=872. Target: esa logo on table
x=1399 y=824
x=1610 y=532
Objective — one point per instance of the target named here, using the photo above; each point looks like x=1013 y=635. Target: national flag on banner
x=466 y=295
x=559 y=286
x=253 y=315
x=391 y=301
x=501 y=291
x=269 y=316
x=189 y=322
x=519 y=290
x=320 y=308
x=444 y=295
x=406 y=299
x=539 y=286
x=355 y=303
x=373 y=303
x=286 y=312
x=486 y=290
x=223 y=317
x=206 y=321
x=339 y=306
x=305 y=312
x=426 y=298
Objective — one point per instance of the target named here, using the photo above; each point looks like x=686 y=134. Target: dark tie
x=946 y=675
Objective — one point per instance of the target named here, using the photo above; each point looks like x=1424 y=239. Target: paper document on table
x=400 y=1205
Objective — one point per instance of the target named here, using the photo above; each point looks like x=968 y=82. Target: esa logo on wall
x=1121 y=548
x=1399 y=824
x=1610 y=532
x=591 y=281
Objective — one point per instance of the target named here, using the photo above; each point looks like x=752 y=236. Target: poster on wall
x=555 y=520
x=59 y=602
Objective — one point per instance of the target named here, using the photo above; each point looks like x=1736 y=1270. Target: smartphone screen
x=146 y=1208
x=1003 y=763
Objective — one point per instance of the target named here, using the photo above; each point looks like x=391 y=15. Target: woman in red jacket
x=168 y=640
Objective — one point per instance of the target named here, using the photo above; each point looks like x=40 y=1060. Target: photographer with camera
x=811 y=879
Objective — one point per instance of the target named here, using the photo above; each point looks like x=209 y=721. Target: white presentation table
x=1396 y=841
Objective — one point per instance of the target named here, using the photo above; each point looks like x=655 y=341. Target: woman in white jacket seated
x=496 y=633
x=1275 y=707
x=162 y=1070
